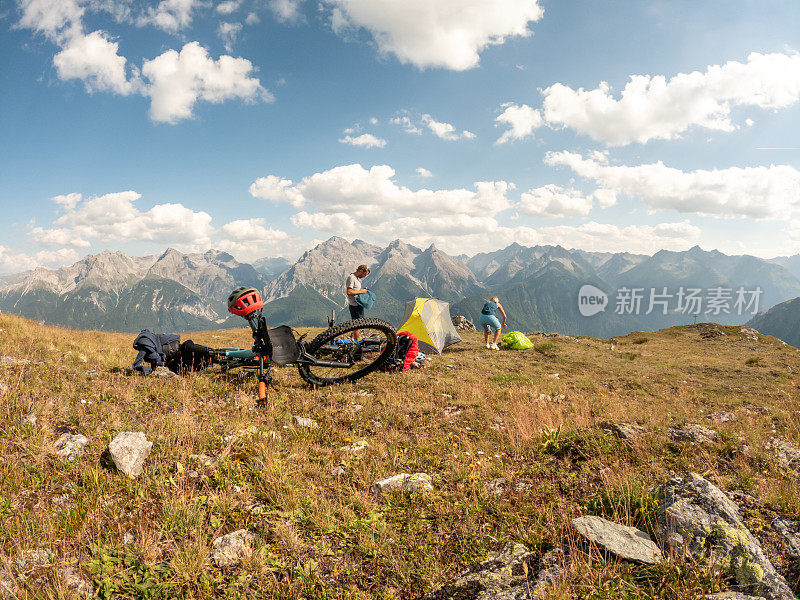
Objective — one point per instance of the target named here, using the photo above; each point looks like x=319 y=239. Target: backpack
x=403 y=354
x=367 y=299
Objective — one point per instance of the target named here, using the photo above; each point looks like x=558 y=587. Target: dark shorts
x=356 y=312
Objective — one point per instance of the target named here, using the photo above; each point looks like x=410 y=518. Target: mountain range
x=539 y=286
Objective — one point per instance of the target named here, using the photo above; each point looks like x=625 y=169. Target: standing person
x=354 y=287
x=490 y=322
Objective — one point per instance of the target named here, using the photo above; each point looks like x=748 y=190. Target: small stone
x=338 y=471
x=624 y=431
x=790 y=532
x=418 y=482
x=788 y=454
x=462 y=323
x=554 y=376
x=127 y=539
x=305 y=422
x=723 y=417
x=33 y=559
x=356 y=407
x=496 y=487
x=626 y=542
x=732 y=596
x=692 y=433
x=452 y=411
x=356 y=446
x=205 y=461
x=3 y=388
x=257 y=508
x=76 y=584
x=376 y=423
x=29 y=420
x=163 y=372
x=523 y=485
x=71 y=446
x=230 y=549
x=129 y=450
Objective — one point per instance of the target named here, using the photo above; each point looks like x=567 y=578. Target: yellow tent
x=429 y=320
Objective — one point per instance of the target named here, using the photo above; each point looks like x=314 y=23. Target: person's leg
x=356 y=312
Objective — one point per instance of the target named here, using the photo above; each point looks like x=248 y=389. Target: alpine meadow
x=399 y=300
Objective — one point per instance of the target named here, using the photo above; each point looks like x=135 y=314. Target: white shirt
x=354 y=283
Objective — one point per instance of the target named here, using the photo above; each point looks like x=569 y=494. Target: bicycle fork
x=264 y=380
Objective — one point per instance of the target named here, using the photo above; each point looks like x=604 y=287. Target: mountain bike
x=333 y=356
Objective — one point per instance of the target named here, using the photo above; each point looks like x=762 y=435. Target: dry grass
x=324 y=536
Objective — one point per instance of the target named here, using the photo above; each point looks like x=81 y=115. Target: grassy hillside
x=322 y=535
x=782 y=321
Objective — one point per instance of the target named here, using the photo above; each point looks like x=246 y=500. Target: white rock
x=71 y=446
x=129 y=450
x=229 y=550
x=3 y=388
x=356 y=446
x=304 y=422
x=29 y=420
x=418 y=482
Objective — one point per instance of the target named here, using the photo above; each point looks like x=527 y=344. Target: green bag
x=517 y=340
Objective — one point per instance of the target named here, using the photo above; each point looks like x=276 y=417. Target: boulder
x=625 y=542
x=230 y=549
x=697 y=519
x=463 y=323
x=71 y=446
x=505 y=575
x=692 y=433
x=418 y=482
x=129 y=450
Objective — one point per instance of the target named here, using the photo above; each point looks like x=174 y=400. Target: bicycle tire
x=337 y=330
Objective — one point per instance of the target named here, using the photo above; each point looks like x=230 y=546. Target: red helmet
x=244 y=301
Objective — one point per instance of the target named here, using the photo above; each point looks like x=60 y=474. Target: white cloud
x=179 y=80
x=228 y=7
x=423 y=172
x=285 y=10
x=68 y=201
x=170 y=15
x=54 y=18
x=753 y=192
x=404 y=121
x=521 y=119
x=552 y=201
x=93 y=59
x=114 y=217
x=57 y=237
x=276 y=189
x=656 y=108
x=252 y=19
x=444 y=33
x=445 y=131
x=12 y=261
x=228 y=33
x=373 y=121
x=365 y=140
x=606 y=237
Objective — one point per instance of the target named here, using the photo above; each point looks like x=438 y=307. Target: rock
x=163 y=372
x=788 y=454
x=71 y=446
x=505 y=575
x=305 y=422
x=496 y=487
x=732 y=596
x=723 y=417
x=13 y=360
x=750 y=333
x=338 y=471
x=452 y=411
x=523 y=485
x=692 y=433
x=129 y=450
x=3 y=388
x=33 y=559
x=418 y=482
x=626 y=542
x=229 y=550
x=697 y=519
x=790 y=532
x=554 y=376
x=79 y=587
x=356 y=446
x=29 y=420
x=127 y=539
x=624 y=431
x=205 y=461
x=463 y=323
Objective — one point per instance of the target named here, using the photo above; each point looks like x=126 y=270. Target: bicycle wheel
x=337 y=344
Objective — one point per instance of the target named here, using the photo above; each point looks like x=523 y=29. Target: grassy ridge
x=324 y=536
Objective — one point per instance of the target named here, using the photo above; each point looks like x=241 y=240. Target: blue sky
x=263 y=126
